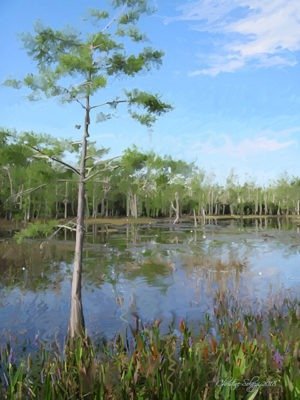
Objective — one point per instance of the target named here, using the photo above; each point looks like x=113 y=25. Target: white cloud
x=218 y=65
x=263 y=33
x=228 y=147
x=107 y=136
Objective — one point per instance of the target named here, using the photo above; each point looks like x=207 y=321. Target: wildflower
x=182 y=326
x=278 y=358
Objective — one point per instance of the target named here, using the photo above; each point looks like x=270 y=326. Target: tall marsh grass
x=237 y=354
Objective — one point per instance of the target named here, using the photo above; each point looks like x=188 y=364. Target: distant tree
x=233 y=192
x=133 y=163
x=74 y=67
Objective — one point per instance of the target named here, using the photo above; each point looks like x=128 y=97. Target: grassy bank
x=236 y=354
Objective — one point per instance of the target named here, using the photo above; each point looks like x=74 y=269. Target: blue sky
x=231 y=70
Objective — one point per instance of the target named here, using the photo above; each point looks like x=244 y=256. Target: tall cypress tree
x=74 y=67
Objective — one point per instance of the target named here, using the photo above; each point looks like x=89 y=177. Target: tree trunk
x=216 y=209
x=10 y=181
x=176 y=208
x=28 y=209
x=278 y=209
x=66 y=200
x=132 y=205
x=56 y=202
x=102 y=207
x=76 y=324
x=209 y=209
x=195 y=218
x=127 y=204
x=10 y=207
x=95 y=204
x=87 y=208
x=260 y=208
x=256 y=205
x=266 y=205
x=135 y=205
x=106 y=208
x=203 y=216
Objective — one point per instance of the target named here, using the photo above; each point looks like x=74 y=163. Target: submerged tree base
x=235 y=355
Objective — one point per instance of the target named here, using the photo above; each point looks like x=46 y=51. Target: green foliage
x=133 y=160
x=132 y=33
x=80 y=61
x=229 y=359
x=46 y=46
x=36 y=230
x=104 y=42
x=92 y=59
x=120 y=63
x=33 y=182
x=98 y=14
x=49 y=145
x=13 y=83
x=132 y=9
x=151 y=103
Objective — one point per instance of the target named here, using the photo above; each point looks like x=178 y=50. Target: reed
x=236 y=354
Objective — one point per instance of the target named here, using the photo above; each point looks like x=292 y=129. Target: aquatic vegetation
x=36 y=230
x=236 y=354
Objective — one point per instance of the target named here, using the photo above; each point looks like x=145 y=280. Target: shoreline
x=13 y=225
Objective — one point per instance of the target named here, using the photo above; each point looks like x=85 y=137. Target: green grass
x=236 y=354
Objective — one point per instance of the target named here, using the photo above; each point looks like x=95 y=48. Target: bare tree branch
x=74 y=98
x=109 y=168
x=27 y=191
x=54 y=159
x=109 y=103
x=10 y=180
x=72 y=228
x=114 y=19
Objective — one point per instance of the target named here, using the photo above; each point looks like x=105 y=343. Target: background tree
x=74 y=67
x=133 y=169
x=37 y=183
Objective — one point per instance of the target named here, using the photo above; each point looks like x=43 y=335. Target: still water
x=156 y=271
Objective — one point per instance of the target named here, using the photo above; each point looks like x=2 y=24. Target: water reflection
x=159 y=271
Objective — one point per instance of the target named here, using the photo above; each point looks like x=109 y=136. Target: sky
x=231 y=71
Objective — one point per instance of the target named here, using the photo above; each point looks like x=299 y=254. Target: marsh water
x=155 y=271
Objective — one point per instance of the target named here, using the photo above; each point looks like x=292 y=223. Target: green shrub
x=36 y=230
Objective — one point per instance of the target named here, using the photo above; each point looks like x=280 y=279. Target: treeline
x=37 y=181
